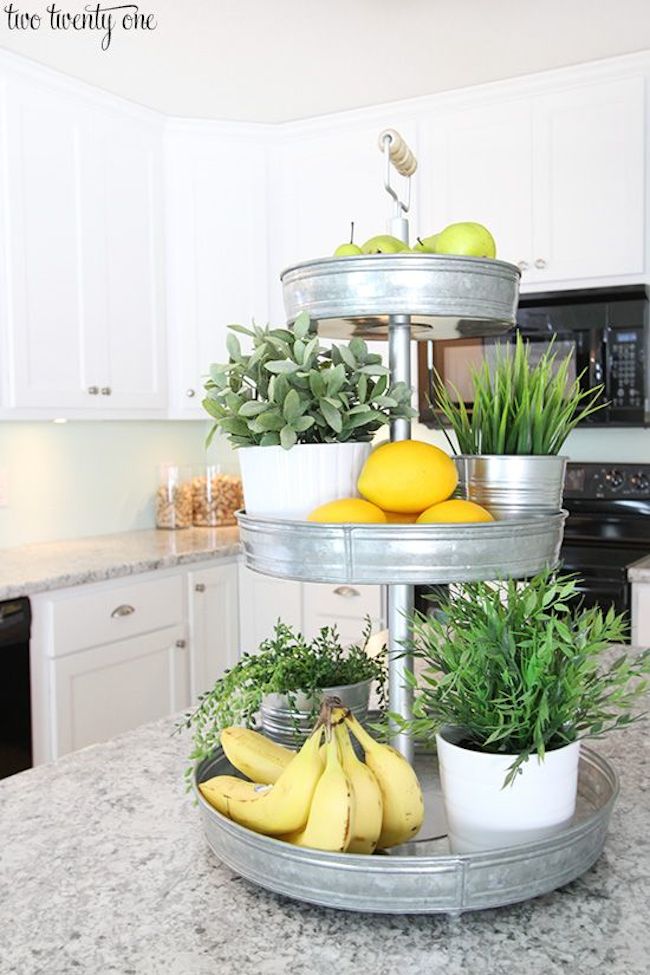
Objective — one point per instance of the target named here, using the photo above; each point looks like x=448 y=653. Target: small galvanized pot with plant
x=301 y=416
x=512 y=680
x=284 y=683
x=509 y=443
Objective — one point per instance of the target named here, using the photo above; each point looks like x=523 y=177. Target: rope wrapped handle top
x=400 y=155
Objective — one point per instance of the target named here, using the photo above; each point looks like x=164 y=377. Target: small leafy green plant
x=290 y=389
x=285 y=663
x=518 y=408
x=520 y=671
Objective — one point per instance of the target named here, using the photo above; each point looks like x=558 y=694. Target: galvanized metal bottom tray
x=421 y=877
x=446 y=296
x=401 y=554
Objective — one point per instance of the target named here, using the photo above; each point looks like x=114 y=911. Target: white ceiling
x=273 y=60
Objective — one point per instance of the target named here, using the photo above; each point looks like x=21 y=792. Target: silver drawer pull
x=123 y=610
x=180 y=644
x=199 y=587
x=347 y=592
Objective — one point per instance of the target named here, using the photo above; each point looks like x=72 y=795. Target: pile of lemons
x=404 y=482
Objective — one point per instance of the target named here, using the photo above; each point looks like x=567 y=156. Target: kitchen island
x=104 y=869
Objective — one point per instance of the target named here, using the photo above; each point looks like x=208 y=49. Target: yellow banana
x=400 y=789
x=332 y=809
x=285 y=806
x=254 y=755
x=221 y=788
x=368 y=805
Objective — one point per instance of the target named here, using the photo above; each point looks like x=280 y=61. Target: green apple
x=426 y=245
x=384 y=244
x=466 y=239
x=349 y=249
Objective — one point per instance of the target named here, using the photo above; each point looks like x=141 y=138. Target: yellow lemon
x=407 y=476
x=401 y=517
x=348 y=510
x=455 y=510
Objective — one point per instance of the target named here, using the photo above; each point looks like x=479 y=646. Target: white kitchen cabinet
x=559 y=178
x=213 y=623
x=82 y=236
x=216 y=248
x=640 y=635
x=347 y=607
x=262 y=601
x=104 y=691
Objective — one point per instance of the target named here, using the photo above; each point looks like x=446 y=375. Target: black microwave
x=606 y=332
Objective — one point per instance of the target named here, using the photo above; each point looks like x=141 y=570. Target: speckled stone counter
x=104 y=869
x=53 y=565
x=640 y=571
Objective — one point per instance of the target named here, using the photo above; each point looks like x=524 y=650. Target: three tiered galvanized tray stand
x=408 y=296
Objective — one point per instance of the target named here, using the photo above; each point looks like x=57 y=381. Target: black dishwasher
x=15 y=707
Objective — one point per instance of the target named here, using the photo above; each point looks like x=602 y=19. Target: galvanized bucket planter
x=509 y=485
x=289 y=720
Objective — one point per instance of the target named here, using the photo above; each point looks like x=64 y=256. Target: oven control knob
x=614 y=479
x=640 y=482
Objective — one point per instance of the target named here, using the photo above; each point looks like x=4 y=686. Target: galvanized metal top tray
x=446 y=296
x=401 y=554
x=421 y=877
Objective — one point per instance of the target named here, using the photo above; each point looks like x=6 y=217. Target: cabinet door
x=214 y=624
x=104 y=691
x=344 y=606
x=49 y=217
x=129 y=247
x=477 y=165
x=216 y=251
x=262 y=601
x=641 y=614
x=589 y=206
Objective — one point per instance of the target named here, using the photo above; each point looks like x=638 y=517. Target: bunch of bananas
x=323 y=796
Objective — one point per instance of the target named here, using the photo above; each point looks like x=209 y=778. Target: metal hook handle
x=397 y=153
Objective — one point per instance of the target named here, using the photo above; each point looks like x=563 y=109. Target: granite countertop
x=36 y=568
x=640 y=571
x=104 y=869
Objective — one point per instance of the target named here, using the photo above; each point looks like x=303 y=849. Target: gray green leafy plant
x=285 y=663
x=520 y=670
x=289 y=389
x=518 y=408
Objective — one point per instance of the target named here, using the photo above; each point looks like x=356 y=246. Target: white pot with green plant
x=512 y=680
x=284 y=682
x=301 y=416
x=509 y=443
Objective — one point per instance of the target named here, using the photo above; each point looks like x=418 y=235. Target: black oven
x=606 y=333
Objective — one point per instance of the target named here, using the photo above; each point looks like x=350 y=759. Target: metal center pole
x=400 y=597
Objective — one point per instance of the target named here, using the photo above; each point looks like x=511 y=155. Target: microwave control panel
x=626 y=368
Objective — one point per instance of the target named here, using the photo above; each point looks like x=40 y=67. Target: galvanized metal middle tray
x=401 y=554
x=421 y=877
x=446 y=296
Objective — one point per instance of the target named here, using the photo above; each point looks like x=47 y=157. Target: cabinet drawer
x=343 y=605
x=114 y=613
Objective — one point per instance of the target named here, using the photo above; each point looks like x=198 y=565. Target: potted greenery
x=302 y=416
x=512 y=680
x=509 y=443
x=285 y=681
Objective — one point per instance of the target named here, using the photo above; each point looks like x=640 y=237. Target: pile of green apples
x=462 y=239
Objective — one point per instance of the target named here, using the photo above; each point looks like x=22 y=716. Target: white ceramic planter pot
x=282 y=483
x=482 y=815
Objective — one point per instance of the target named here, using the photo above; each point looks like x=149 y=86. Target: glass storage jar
x=174 y=497
x=215 y=497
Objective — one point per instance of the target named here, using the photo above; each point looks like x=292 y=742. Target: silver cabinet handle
x=347 y=592
x=523 y=265
x=106 y=391
x=199 y=587
x=123 y=610
x=190 y=393
x=93 y=390
x=540 y=263
x=180 y=644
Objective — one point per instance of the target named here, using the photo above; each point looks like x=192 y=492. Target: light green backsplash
x=91 y=478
